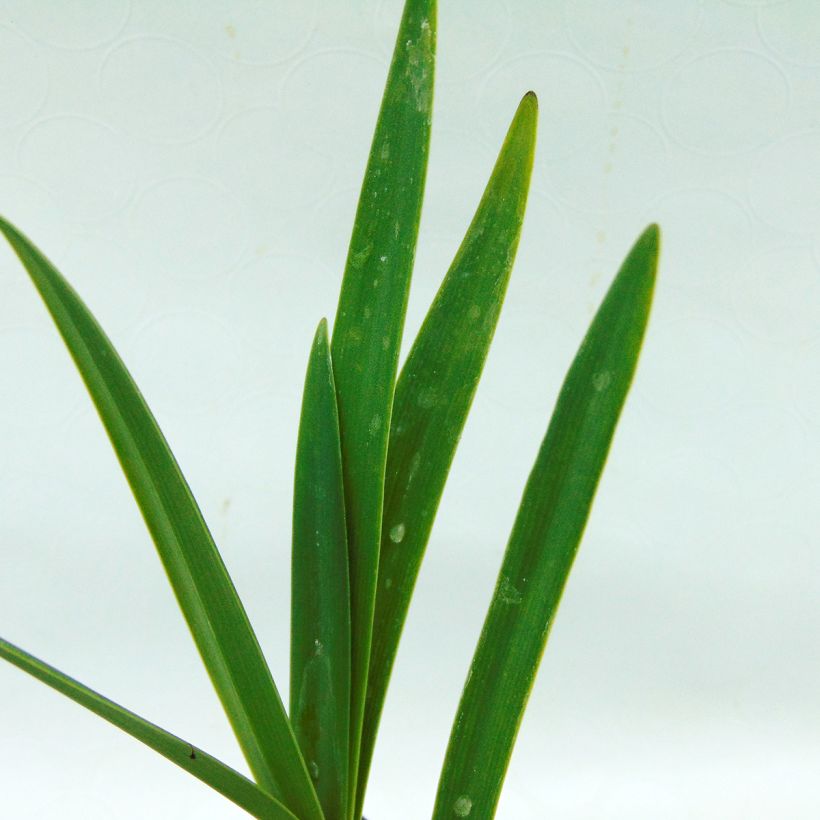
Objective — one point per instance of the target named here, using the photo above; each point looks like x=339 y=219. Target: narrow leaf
x=320 y=600
x=200 y=580
x=434 y=393
x=209 y=770
x=370 y=317
x=544 y=540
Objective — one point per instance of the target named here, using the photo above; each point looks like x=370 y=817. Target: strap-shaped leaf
x=370 y=317
x=320 y=600
x=434 y=393
x=544 y=540
x=220 y=777
x=195 y=569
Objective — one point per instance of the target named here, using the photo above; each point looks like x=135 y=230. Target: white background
x=193 y=168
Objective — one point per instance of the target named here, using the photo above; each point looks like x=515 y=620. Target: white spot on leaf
x=426 y=398
x=463 y=806
x=602 y=380
x=397 y=533
x=507 y=593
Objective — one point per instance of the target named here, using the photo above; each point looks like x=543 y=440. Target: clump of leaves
x=374 y=450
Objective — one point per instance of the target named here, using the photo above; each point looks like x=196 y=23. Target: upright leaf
x=320 y=600
x=209 y=770
x=200 y=580
x=434 y=393
x=370 y=317
x=543 y=543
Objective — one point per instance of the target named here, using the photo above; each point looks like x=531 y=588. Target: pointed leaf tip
x=528 y=107
x=650 y=239
x=548 y=528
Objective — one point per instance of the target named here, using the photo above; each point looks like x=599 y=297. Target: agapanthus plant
x=375 y=445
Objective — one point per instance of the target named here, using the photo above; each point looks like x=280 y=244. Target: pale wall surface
x=193 y=168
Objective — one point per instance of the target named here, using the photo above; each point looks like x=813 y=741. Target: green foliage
x=434 y=393
x=372 y=459
x=370 y=318
x=320 y=591
x=544 y=540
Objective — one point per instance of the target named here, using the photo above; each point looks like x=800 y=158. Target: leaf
x=200 y=580
x=434 y=393
x=370 y=317
x=217 y=775
x=543 y=543
x=320 y=600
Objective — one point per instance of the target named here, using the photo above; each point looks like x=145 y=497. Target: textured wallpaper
x=193 y=169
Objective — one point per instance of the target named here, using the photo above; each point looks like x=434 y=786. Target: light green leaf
x=543 y=543
x=370 y=317
x=209 y=770
x=200 y=580
x=320 y=600
x=434 y=393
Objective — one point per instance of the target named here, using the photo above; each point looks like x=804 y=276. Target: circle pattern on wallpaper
x=776 y=295
x=270 y=293
x=673 y=364
x=255 y=157
x=642 y=35
x=459 y=168
x=49 y=393
x=257 y=32
x=784 y=184
x=623 y=168
x=72 y=24
x=755 y=3
x=323 y=95
x=190 y=228
x=109 y=277
x=793 y=36
x=766 y=442
x=726 y=101
x=33 y=208
x=160 y=89
x=567 y=85
x=704 y=236
x=23 y=79
x=186 y=362
x=801 y=374
x=82 y=162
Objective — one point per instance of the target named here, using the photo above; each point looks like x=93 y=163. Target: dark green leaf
x=217 y=775
x=200 y=580
x=370 y=318
x=434 y=393
x=320 y=601
x=544 y=540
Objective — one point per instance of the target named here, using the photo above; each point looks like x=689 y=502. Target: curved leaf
x=543 y=543
x=204 y=590
x=320 y=600
x=434 y=393
x=370 y=318
x=217 y=775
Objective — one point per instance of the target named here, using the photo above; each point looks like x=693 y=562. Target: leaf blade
x=320 y=600
x=434 y=393
x=370 y=317
x=544 y=540
x=205 y=592
x=220 y=777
